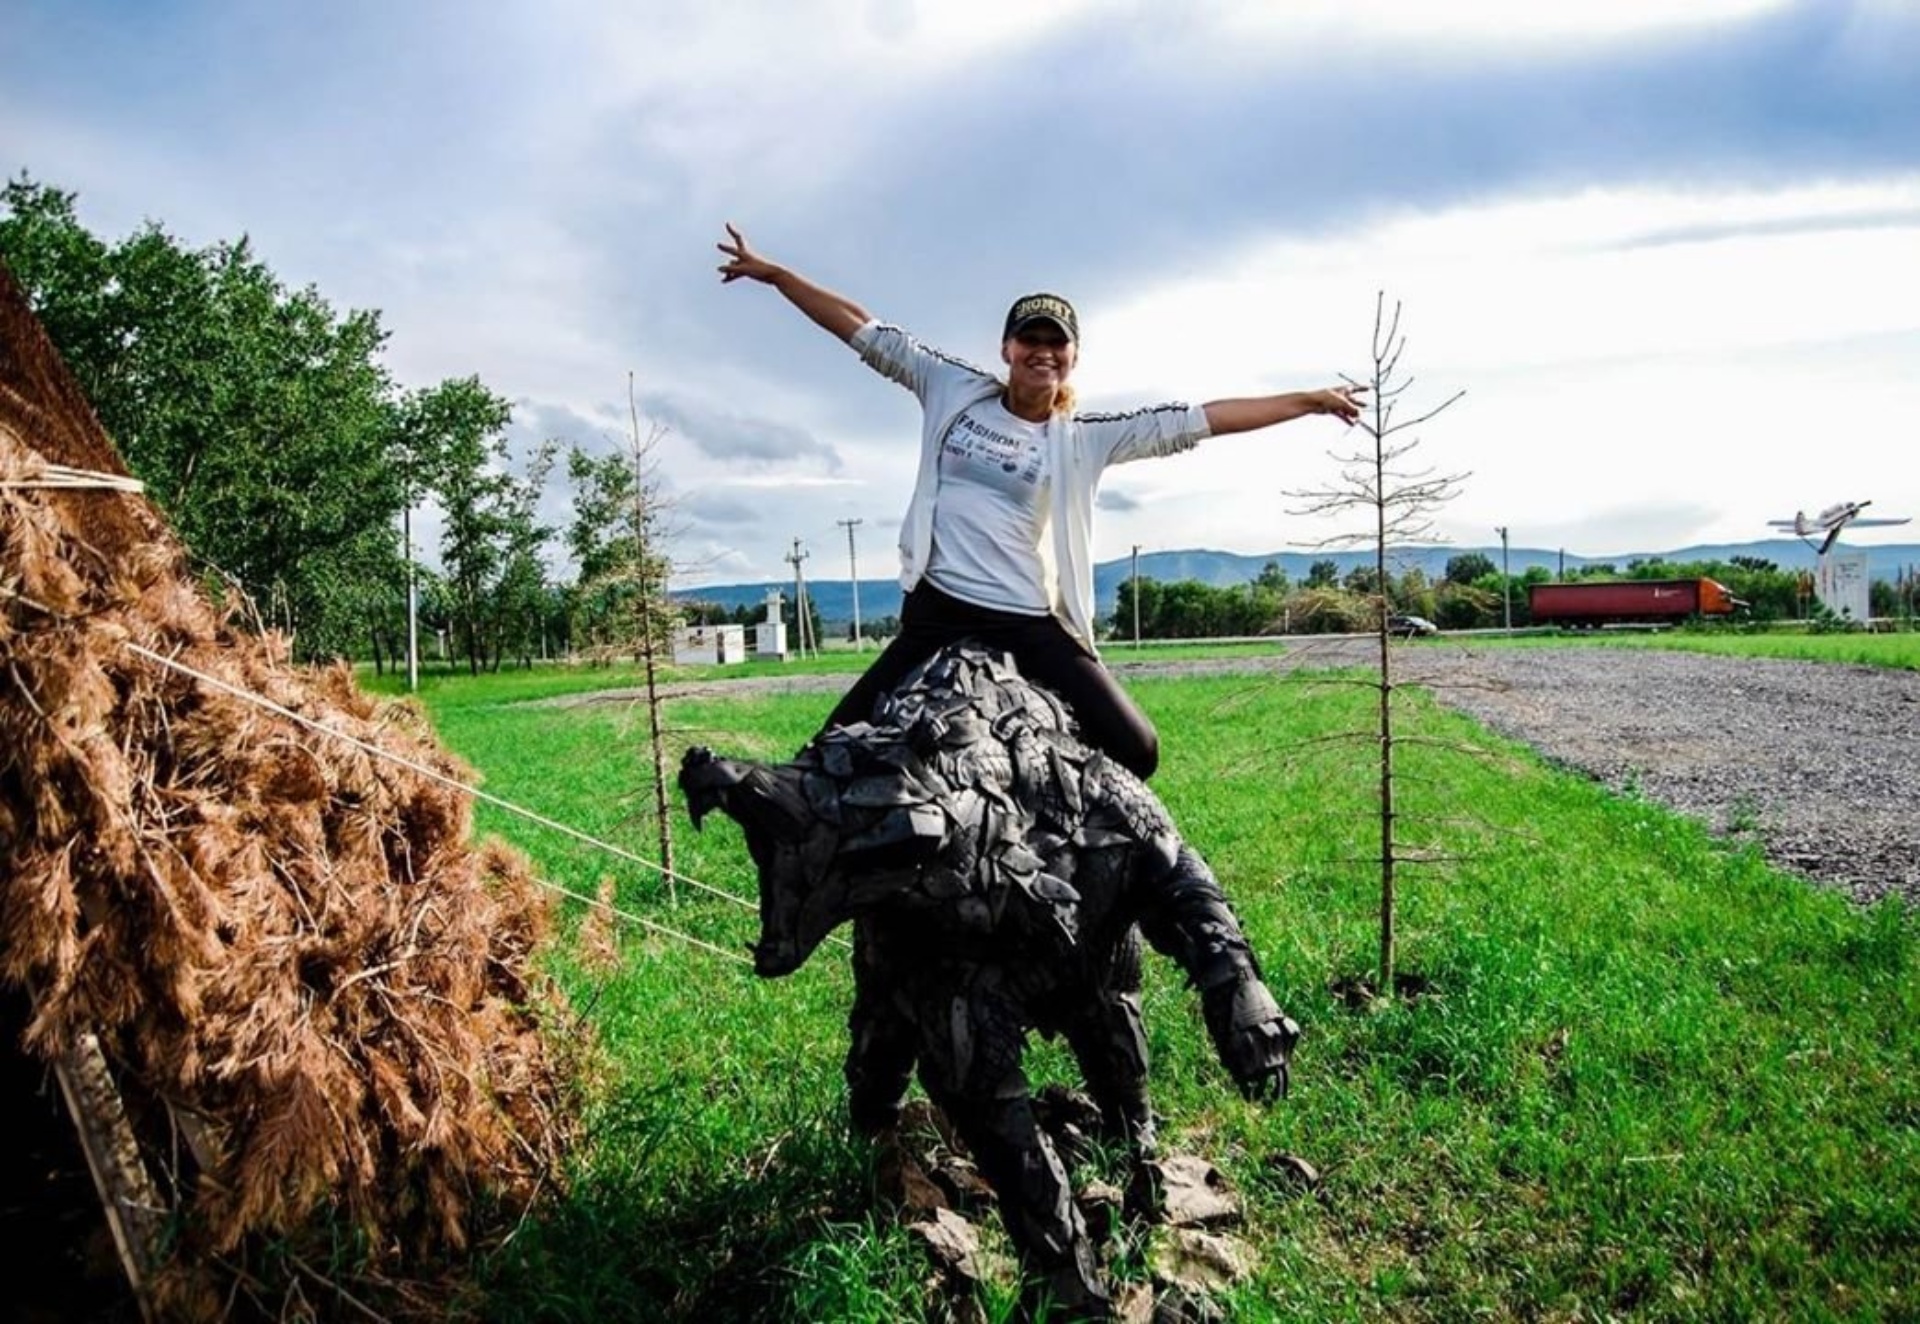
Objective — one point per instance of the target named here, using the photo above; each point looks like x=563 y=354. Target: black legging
x=1043 y=650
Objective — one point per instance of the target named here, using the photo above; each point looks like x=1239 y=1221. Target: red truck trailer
x=1592 y=603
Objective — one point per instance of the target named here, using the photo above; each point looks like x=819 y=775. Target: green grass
x=1645 y=1076
x=543 y=680
x=1879 y=650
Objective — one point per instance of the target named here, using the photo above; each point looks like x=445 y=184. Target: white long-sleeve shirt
x=1080 y=447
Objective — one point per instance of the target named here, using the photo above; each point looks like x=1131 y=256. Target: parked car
x=1409 y=626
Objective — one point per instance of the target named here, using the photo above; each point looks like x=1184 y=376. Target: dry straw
x=315 y=998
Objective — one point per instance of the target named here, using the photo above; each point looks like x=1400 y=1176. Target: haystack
x=289 y=1005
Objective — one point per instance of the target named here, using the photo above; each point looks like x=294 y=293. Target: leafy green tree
x=790 y=613
x=520 y=597
x=1469 y=567
x=1139 y=602
x=1413 y=594
x=1466 y=606
x=258 y=417
x=615 y=540
x=1189 y=609
x=1327 y=610
x=1323 y=574
x=475 y=494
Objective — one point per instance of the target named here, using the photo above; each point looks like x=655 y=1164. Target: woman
x=997 y=542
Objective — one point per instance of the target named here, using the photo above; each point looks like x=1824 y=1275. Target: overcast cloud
x=1667 y=250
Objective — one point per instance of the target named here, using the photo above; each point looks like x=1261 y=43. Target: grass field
x=1901 y=651
x=1646 y=1076
x=549 y=679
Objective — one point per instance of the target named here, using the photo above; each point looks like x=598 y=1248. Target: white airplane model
x=1828 y=523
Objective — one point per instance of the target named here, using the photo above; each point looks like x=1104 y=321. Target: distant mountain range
x=833 y=599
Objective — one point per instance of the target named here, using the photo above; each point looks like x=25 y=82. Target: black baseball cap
x=1031 y=308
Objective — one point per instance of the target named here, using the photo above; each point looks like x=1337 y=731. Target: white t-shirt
x=991 y=505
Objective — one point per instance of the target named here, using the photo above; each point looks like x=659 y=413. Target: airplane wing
x=1869 y=523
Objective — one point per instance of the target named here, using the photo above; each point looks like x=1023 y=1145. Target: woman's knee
x=1139 y=752
x=1123 y=734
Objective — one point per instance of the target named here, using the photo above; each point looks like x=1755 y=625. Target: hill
x=881 y=597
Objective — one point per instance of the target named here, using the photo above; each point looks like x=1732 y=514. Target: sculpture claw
x=1253 y=1036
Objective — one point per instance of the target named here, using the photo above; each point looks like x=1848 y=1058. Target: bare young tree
x=650 y=602
x=1400 y=500
x=620 y=602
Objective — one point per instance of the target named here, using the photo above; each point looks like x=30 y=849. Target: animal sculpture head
x=823 y=857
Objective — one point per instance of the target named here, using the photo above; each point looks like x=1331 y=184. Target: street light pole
x=413 y=599
x=1506 y=581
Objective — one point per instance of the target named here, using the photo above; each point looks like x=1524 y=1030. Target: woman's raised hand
x=743 y=261
x=831 y=312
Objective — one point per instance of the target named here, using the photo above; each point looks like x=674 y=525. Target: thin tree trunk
x=662 y=817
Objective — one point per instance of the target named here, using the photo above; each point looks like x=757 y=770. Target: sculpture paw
x=1253 y=1036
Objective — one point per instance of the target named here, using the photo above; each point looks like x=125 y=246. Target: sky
x=1670 y=253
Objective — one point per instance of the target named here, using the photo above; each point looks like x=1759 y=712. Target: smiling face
x=1039 y=358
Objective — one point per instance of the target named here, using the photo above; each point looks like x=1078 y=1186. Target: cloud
x=535 y=421
x=1892 y=218
x=722 y=509
x=723 y=435
x=1625 y=205
x=1107 y=132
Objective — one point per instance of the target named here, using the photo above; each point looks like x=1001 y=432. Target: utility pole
x=1136 y=595
x=413 y=599
x=1506 y=581
x=800 y=611
x=853 y=577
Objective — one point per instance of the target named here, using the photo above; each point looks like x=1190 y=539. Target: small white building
x=770 y=635
x=710 y=645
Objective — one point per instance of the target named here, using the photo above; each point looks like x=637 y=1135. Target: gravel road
x=1820 y=761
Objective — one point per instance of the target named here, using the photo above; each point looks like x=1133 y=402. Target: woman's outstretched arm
x=831 y=312
x=1261 y=411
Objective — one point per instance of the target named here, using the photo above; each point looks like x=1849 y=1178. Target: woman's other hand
x=743 y=261
x=1343 y=402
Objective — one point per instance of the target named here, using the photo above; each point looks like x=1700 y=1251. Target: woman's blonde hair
x=1063 y=397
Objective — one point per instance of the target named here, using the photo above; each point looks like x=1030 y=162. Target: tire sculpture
x=999 y=875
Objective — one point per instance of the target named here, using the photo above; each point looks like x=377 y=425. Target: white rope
x=61 y=477
x=435 y=776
